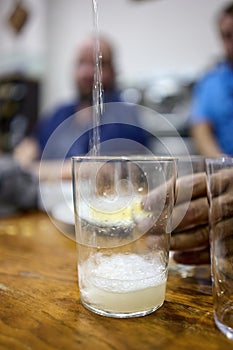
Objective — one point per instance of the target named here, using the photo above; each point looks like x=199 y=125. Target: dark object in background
x=19 y=99
x=18 y=17
x=18 y=188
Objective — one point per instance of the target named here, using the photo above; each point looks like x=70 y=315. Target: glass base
x=181 y=270
x=226 y=330
x=120 y=314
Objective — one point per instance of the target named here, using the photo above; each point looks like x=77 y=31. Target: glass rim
x=100 y=158
x=219 y=160
x=192 y=157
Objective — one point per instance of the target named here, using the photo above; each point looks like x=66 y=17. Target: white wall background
x=153 y=37
x=27 y=51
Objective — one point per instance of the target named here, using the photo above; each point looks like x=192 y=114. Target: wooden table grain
x=40 y=304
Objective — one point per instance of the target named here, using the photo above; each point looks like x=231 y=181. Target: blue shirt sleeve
x=200 y=107
x=48 y=125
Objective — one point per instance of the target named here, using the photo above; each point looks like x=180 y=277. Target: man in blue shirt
x=212 y=108
x=68 y=130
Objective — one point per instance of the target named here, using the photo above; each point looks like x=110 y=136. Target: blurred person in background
x=32 y=148
x=19 y=174
x=212 y=107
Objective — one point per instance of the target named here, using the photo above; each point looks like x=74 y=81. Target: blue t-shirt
x=213 y=103
x=62 y=135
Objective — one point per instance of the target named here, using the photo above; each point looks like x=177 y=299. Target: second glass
x=123 y=208
x=191 y=184
x=220 y=194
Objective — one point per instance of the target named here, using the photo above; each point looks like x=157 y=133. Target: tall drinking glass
x=123 y=207
x=220 y=194
x=191 y=186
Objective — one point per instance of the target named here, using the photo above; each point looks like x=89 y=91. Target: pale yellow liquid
x=122 y=283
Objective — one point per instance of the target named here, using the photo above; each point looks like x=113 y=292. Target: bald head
x=85 y=66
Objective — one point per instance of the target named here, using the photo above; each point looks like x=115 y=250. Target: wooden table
x=41 y=309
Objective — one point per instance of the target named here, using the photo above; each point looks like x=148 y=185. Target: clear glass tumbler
x=123 y=208
x=191 y=185
x=220 y=194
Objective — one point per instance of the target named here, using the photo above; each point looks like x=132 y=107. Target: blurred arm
x=205 y=140
x=52 y=169
x=27 y=151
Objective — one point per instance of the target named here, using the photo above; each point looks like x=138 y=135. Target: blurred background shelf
x=19 y=109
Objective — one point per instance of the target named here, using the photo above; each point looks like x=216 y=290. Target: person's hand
x=220 y=193
x=190 y=235
x=189 y=218
x=26 y=152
